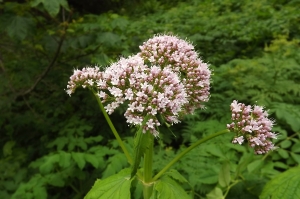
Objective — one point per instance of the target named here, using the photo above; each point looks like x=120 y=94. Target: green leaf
x=113 y=187
x=40 y=192
x=79 y=159
x=48 y=164
x=169 y=189
x=289 y=113
x=254 y=165
x=55 y=179
x=176 y=175
x=64 y=159
x=296 y=157
x=208 y=177
x=19 y=27
x=7 y=148
x=296 y=147
x=52 y=7
x=285 y=185
x=281 y=165
x=108 y=38
x=285 y=144
x=216 y=193
x=283 y=153
x=92 y=159
x=224 y=175
x=34 y=3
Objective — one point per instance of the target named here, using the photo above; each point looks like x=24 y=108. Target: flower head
x=180 y=56
x=85 y=78
x=166 y=78
x=148 y=90
x=253 y=125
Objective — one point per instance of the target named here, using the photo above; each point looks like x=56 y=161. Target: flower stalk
x=179 y=156
x=113 y=129
x=148 y=160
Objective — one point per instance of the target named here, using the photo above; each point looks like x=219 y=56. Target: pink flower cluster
x=252 y=124
x=165 y=78
x=170 y=51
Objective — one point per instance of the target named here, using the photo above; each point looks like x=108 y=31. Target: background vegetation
x=54 y=146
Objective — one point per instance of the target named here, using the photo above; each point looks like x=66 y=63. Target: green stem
x=186 y=151
x=148 y=159
x=129 y=158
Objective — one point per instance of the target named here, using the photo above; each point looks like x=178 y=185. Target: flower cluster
x=85 y=78
x=178 y=54
x=165 y=78
x=252 y=124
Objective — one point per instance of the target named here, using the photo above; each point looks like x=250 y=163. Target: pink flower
x=167 y=77
x=253 y=125
x=180 y=56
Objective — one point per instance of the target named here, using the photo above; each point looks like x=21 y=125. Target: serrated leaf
x=169 y=189
x=224 y=175
x=92 y=159
x=113 y=187
x=176 y=175
x=116 y=163
x=254 y=165
x=216 y=193
x=285 y=185
x=79 y=159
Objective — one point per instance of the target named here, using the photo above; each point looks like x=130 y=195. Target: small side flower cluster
x=172 y=82
x=252 y=124
x=85 y=78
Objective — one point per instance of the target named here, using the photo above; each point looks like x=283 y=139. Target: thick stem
x=147 y=178
x=129 y=158
x=186 y=151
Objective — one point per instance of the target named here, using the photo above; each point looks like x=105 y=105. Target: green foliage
x=285 y=185
x=166 y=187
x=116 y=187
x=54 y=146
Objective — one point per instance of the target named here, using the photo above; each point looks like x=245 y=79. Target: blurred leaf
x=296 y=147
x=283 y=153
x=79 y=158
x=285 y=144
x=254 y=165
x=92 y=159
x=224 y=175
x=7 y=148
x=19 y=27
x=296 y=157
x=216 y=193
